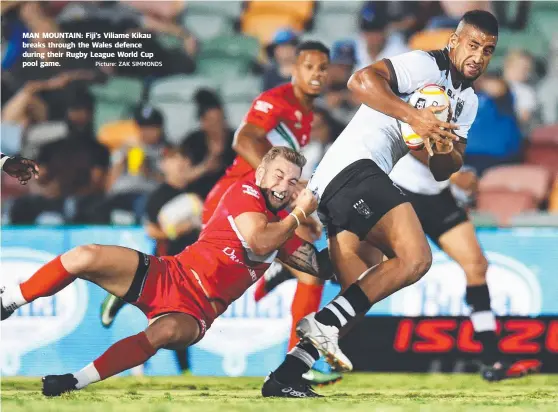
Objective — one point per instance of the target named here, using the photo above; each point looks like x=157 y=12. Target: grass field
x=358 y=392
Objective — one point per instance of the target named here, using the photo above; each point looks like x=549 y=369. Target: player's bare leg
x=461 y=244
x=399 y=234
x=111 y=267
x=169 y=331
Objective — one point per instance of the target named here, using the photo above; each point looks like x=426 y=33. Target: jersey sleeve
x=245 y=198
x=465 y=121
x=409 y=71
x=265 y=112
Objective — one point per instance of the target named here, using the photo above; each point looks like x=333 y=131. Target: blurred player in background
x=182 y=295
x=440 y=209
x=365 y=211
x=281 y=116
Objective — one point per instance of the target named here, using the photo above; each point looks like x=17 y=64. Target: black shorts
x=437 y=213
x=357 y=198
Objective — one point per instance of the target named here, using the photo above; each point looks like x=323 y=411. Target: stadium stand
x=231 y=40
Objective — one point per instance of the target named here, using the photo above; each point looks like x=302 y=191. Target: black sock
x=484 y=322
x=297 y=362
x=344 y=307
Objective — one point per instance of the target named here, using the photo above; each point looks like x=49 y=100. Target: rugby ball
x=429 y=95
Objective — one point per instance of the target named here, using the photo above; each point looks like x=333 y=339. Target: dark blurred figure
x=337 y=97
x=325 y=130
x=495 y=135
x=71 y=183
x=342 y=63
x=212 y=142
x=376 y=42
x=282 y=58
x=79 y=114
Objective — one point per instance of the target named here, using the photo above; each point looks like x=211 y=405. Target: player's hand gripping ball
x=430 y=95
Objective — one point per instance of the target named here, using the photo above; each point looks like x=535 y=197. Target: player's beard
x=267 y=196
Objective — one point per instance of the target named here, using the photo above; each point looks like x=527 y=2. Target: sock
x=297 y=362
x=48 y=280
x=484 y=321
x=123 y=355
x=344 y=307
x=306 y=300
x=12 y=297
x=87 y=376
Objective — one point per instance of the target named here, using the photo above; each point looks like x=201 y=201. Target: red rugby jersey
x=285 y=120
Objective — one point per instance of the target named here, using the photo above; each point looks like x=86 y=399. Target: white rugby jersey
x=373 y=135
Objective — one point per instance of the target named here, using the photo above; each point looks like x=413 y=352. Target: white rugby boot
x=326 y=339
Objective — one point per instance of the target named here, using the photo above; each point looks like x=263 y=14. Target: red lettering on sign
x=403 y=335
x=434 y=333
x=465 y=338
x=552 y=336
x=523 y=332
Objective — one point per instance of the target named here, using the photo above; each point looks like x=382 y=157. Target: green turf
x=358 y=392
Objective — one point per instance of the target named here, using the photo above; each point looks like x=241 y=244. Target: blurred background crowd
x=116 y=144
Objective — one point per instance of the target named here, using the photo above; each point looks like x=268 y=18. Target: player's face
x=471 y=51
x=310 y=73
x=278 y=181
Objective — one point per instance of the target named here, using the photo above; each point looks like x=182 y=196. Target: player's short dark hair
x=289 y=154
x=312 y=45
x=482 y=20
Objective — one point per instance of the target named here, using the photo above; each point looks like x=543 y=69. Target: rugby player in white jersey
x=362 y=209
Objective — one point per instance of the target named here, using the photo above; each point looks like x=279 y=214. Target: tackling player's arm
x=377 y=86
x=264 y=237
x=250 y=140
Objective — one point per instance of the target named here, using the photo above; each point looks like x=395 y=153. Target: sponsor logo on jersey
x=250 y=190
x=231 y=253
x=248 y=327
x=458 y=109
x=363 y=209
x=514 y=289
x=50 y=318
x=263 y=106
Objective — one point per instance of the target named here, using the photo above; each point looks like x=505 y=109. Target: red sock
x=124 y=354
x=48 y=280
x=306 y=300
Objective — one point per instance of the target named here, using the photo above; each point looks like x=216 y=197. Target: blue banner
x=63 y=333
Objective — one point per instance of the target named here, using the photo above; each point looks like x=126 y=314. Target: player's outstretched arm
x=264 y=237
x=250 y=142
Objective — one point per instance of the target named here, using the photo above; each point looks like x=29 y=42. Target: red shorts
x=170 y=287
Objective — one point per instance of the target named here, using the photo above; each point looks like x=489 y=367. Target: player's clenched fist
x=306 y=201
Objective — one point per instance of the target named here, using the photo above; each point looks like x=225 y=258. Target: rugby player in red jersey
x=182 y=295
x=281 y=116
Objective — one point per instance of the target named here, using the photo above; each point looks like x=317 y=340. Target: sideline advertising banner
x=423 y=327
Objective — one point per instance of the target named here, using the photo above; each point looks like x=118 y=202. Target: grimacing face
x=277 y=180
x=310 y=72
x=471 y=50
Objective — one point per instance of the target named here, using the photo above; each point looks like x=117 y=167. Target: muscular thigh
x=351 y=257
x=400 y=233
x=113 y=268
